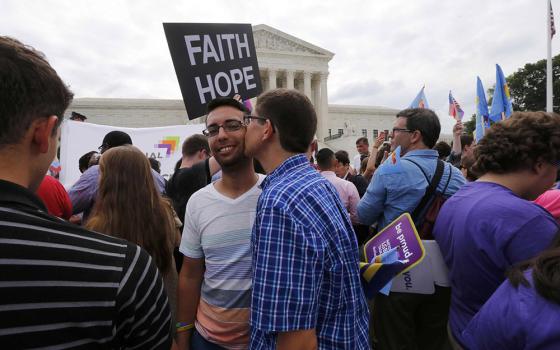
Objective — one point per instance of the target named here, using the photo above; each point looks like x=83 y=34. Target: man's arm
x=83 y=192
x=297 y=340
x=188 y=296
x=455 y=156
x=191 y=275
x=372 y=204
x=370 y=167
x=353 y=200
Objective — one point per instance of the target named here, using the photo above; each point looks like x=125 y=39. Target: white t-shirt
x=218 y=229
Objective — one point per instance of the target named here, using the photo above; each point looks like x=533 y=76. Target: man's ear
x=539 y=166
x=268 y=131
x=416 y=137
x=42 y=130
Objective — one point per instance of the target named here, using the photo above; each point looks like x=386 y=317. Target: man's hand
x=458 y=128
x=379 y=141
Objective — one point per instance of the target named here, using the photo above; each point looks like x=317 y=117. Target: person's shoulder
x=92 y=170
x=201 y=196
x=292 y=185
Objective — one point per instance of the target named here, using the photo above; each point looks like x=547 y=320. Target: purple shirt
x=483 y=230
x=515 y=318
x=83 y=192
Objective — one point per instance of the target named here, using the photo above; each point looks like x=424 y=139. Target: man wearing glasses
x=83 y=192
x=306 y=283
x=215 y=280
x=406 y=320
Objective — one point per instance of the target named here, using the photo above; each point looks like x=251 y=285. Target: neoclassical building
x=284 y=61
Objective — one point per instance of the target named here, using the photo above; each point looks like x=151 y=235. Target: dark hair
x=155 y=165
x=466 y=140
x=518 y=142
x=293 y=116
x=546 y=272
x=467 y=163
x=363 y=164
x=83 y=162
x=342 y=157
x=362 y=140
x=423 y=120
x=324 y=158
x=195 y=143
x=29 y=89
x=226 y=101
x=381 y=153
x=115 y=138
x=443 y=149
x=258 y=167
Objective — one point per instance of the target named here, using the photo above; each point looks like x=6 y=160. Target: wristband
x=183 y=326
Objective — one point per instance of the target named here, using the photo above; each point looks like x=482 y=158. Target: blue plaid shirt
x=305 y=262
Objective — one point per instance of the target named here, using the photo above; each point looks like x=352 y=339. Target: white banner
x=163 y=143
x=422 y=278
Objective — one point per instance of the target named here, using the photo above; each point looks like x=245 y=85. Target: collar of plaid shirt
x=286 y=167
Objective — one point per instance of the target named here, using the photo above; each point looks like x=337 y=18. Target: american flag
x=454 y=108
x=552 y=29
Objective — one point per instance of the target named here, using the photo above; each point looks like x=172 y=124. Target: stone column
x=271 y=79
x=316 y=91
x=289 y=79
x=323 y=110
x=307 y=84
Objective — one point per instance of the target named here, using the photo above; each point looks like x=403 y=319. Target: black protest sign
x=213 y=60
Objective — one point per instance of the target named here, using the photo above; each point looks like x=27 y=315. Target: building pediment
x=273 y=40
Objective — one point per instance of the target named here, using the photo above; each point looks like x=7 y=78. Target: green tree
x=468 y=127
x=527 y=86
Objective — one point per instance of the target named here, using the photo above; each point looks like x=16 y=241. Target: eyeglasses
x=402 y=130
x=247 y=120
x=103 y=147
x=229 y=126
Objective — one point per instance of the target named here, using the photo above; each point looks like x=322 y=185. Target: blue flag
x=420 y=101
x=482 y=121
x=501 y=102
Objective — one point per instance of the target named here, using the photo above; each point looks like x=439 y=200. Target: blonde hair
x=128 y=205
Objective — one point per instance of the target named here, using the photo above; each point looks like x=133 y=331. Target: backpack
x=426 y=212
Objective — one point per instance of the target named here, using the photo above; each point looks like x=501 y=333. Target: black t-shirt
x=360 y=182
x=185 y=182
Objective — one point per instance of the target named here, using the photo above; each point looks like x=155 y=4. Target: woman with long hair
x=128 y=206
x=524 y=312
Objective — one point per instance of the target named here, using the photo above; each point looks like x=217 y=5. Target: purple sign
x=400 y=233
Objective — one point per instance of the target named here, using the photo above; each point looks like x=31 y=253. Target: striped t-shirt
x=218 y=229
x=62 y=286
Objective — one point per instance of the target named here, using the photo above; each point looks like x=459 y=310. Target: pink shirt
x=550 y=200
x=347 y=192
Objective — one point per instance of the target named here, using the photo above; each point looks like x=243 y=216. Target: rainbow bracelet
x=183 y=326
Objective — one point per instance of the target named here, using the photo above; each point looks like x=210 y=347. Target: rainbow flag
x=377 y=275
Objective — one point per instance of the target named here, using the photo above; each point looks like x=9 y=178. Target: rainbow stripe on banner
x=169 y=143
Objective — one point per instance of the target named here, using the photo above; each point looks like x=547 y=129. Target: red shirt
x=53 y=194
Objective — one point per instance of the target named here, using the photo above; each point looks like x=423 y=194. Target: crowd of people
x=254 y=242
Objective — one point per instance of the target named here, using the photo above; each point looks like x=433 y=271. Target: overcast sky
x=384 y=50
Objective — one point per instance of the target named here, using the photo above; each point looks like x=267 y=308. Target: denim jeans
x=199 y=343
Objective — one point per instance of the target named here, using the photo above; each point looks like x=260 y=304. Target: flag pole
x=549 y=57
